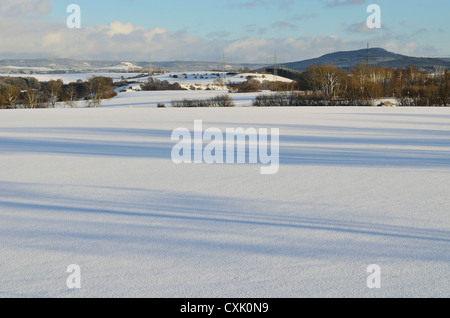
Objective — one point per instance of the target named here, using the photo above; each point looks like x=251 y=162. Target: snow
x=73 y=77
x=203 y=80
x=200 y=80
x=97 y=188
x=388 y=101
x=153 y=98
x=28 y=69
x=240 y=78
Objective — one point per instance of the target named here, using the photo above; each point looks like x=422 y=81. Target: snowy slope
x=97 y=188
x=70 y=78
x=153 y=98
x=203 y=80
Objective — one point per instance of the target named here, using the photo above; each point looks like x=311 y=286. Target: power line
x=182 y=68
x=368 y=55
x=224 y=76
x=275 y=70
x=150 y=70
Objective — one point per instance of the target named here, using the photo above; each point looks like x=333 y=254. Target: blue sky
x=246 y=30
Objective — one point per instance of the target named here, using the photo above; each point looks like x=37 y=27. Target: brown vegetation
x=18 y=92
x=411 y=86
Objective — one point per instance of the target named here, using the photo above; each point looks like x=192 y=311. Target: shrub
x=298 y=99
x=157 y=85
x=249 y=86
x=218 y=101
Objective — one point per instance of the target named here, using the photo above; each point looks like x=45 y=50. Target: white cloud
x=118 y=27
x=360 y=28
x=23 y=37
x=411 y=48
x=288 y=49
x=250 y=4
x=336 y=3
x=24 y=7
x=126 y=41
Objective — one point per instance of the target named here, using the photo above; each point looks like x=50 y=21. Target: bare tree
x=326 y=78
x=11 y=95
x=99 y=88
x=31 y=98
x=444 y=89
x=2 y=99
x=361 y=75
x=53 y=91
x=70 y=95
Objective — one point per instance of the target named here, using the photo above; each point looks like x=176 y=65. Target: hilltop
x=377 y=57
x=59 y=65
x=344 y=59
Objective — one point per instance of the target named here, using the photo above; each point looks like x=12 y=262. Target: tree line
x=28 y=92
x=324 y=85
x=411 y=86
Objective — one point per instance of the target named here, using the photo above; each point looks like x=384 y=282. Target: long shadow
x=406 y=114
x=189 y=222
x=144 y=104
x=297 y=225
x=85 y=148
x=364 y=157
x=69 y=144
x=365 y=149
x=374 y=140
x=89 y=131
x=180 y=203
x=397 y=132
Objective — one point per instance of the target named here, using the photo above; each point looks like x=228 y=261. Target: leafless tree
x=11 y=95
x=326 y=78
x=31 y=98
x=99 y=88
x=70 y=95
x=53 y=91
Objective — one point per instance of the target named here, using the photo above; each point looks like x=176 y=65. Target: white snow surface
x=201 y=80
x=146 y=99
x=73 y=77
x=97 y=188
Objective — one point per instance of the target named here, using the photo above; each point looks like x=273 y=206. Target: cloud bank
x=25 y=32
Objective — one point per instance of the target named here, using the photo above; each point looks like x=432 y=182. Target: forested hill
x=375 y=57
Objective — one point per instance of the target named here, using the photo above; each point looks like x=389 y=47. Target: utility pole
x=182 y=65
x=150 y=70
x=275 y=70
x=182 y=70
x=224 y=75
x=368 y=55
x=53 y=64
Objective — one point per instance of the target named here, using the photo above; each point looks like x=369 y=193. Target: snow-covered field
x=98 y=188
x=153 y=98
x=201 y=80
x=73 y=77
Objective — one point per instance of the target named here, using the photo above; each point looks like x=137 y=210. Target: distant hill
x=197 y=66
x=377 y=57
x=30 y=66
x=345 y=60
